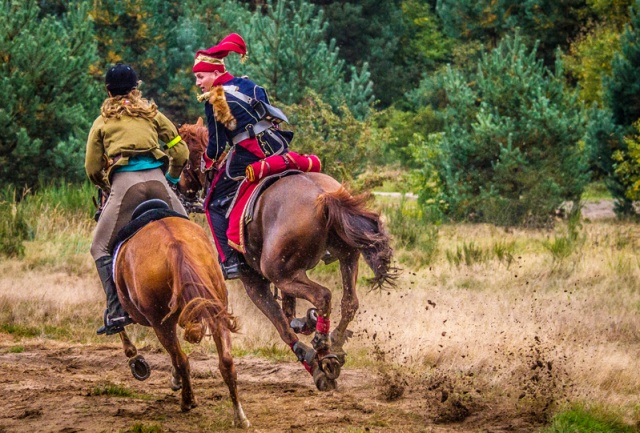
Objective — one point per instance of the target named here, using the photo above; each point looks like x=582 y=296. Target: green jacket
x=112 y=141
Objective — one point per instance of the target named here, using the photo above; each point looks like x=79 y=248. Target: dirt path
x=592 y=210
x=49 y=386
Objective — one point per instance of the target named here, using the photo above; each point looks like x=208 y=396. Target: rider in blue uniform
x=233 y=120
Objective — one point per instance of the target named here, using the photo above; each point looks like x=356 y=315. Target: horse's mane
x=196 y=136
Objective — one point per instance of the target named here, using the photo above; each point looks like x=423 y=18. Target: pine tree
x=49 y=94
x=549 y=23
x=371 y=31
x=288 y=54
x=622 y=89
x=510 y=150
x=607 y=127
x=159 y=39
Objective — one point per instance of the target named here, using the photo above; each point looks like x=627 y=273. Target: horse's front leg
x=289 y=307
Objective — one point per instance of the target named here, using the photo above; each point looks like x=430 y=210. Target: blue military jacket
x=219 y=136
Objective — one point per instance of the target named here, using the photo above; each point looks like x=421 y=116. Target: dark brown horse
x=298 y=221
x=167 y=276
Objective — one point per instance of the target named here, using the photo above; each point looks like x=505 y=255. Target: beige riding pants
x=128 y=190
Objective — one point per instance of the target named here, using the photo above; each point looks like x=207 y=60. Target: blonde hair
x=132 y=104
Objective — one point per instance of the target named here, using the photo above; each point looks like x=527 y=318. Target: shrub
x=14 y=229
x=344 y=144
x=563 y=245
x=413 y=230
x=468 y=254
x=510 y=152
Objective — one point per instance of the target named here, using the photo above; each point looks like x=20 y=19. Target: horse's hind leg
x=349 y=303
x=222 y=337
x=138 y=365
x=129 y=349
x=169 y=339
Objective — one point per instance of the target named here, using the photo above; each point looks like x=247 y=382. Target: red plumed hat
x=213 y=59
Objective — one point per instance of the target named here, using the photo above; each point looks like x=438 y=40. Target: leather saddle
x=146 y=212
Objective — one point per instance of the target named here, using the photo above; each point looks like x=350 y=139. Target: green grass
x=469 y=254
x=24 y=214
x=596 y=191
x=49 y=331
x=563 y=245
x=111 y=389
x=582 y=420
x=19 y=330
x=505 y=252
x=16 y=349
x=115 y=390
x=413 y=231
x=274 y=352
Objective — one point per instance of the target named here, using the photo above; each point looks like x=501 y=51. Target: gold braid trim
x=221 y=110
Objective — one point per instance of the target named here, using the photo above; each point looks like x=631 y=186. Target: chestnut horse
x=298 y=221
x=167 y=276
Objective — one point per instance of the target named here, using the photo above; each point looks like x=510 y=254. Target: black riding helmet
x=121 y=79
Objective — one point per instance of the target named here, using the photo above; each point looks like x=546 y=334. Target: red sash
x=279 y=163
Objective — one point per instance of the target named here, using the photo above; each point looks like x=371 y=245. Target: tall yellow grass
x=576 y=319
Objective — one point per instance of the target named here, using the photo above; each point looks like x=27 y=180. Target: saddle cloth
x=243 y=207
x=139 y=220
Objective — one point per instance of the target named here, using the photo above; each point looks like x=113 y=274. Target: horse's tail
x=360 y=228
x=200 y=292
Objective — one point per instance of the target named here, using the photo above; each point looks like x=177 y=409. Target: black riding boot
x=231 y=266
x=115 y=318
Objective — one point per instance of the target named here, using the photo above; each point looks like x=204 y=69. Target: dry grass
x=536 y=332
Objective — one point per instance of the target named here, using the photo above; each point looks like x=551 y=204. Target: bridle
x=188 y=189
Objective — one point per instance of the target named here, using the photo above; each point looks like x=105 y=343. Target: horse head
x=192 y=180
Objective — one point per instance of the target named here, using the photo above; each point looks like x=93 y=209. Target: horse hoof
x=176 y=382
x=175 y=385
x=330 y=365
x=139 y=368
x=243 y=423
x=186 y=407
x=324 y=384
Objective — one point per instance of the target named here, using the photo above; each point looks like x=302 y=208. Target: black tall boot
x=231 y=266
x=115 y=318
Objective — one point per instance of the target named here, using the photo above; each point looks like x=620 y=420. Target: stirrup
x=113 y=326
x=231 y=272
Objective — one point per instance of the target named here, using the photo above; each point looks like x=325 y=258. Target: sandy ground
x=55 y=387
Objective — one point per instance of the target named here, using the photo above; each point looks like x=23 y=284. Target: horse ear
x=200 y=122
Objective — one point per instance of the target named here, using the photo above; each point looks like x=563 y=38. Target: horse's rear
x=168 y=276
x=297 y=221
